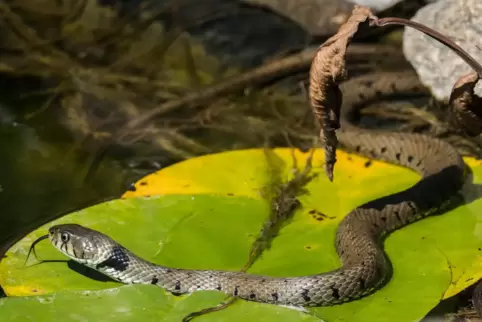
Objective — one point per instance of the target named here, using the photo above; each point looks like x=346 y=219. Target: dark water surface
x=41 y=179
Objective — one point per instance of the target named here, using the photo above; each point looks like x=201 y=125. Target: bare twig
x=375 y=21
x=254 y=77
x=29 y=34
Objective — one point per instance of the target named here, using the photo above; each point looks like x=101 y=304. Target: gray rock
x=377 y=5
x=437 y=66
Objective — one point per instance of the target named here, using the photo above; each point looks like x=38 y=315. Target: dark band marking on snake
x=365 y=267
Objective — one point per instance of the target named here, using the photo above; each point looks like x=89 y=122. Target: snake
x=365 y=267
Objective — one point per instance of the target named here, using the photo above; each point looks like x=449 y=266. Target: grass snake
x=359 y=237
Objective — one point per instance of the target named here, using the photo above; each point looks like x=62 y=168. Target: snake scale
x=365 y=266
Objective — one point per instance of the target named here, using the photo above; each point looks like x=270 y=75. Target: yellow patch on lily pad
x=243 y=172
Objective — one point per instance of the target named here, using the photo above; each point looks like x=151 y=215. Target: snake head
x=82 y=244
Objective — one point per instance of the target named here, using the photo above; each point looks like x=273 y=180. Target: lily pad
x=136 y=303
x=205 y=213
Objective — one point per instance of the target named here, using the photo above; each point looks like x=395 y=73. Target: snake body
x=365 y=267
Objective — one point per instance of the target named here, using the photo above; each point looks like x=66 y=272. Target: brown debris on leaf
x=465 y=114
x=326 y=73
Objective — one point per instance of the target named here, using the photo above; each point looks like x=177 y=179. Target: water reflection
x=41 y=179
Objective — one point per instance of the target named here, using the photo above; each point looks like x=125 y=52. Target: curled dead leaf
x=465 y=114
x=326 y=73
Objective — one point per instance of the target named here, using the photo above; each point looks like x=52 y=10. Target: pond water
x=40 y=179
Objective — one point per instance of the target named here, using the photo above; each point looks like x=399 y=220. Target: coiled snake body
x=358 y=239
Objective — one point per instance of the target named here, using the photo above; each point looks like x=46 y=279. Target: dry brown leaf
x=326 y=73
x=465 y=114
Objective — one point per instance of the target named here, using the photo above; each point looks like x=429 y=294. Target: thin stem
x=375 y=21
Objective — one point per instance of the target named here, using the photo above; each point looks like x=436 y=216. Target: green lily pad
x=137 y=303
x=213 y=224
x=169 y=230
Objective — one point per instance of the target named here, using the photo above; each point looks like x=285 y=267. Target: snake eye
x=65 y=237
